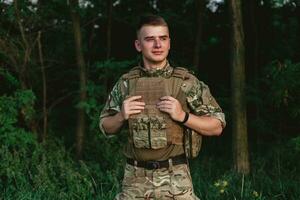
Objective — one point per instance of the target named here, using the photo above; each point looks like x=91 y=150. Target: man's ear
x=137 y=45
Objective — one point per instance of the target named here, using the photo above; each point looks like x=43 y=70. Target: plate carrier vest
x=153 y=129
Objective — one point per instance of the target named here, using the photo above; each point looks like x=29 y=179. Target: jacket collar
x=165 y=72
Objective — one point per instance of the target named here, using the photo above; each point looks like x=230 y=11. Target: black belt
x=181 y=159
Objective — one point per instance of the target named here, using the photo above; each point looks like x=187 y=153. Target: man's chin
x=158 y=62
x=158 y=59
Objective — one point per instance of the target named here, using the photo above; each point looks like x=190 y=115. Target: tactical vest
x=153 y=129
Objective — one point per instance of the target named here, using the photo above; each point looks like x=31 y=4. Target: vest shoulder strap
x=182 y=73
x=135 y=72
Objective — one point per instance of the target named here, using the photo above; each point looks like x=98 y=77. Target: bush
x=274 y=175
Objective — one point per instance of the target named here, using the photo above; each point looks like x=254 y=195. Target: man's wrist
x=185 y=118
x=121 y=117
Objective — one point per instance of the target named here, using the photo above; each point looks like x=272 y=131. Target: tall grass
x=275 y=174
x=48 y=171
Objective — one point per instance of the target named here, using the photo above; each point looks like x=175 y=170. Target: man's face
x=154 y=43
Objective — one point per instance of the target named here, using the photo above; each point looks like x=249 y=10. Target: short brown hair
x=150 y=19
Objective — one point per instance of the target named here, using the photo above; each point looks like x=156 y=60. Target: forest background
x=59 y=59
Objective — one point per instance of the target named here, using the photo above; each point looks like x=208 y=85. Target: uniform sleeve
x=202 y=102
x=113 y=103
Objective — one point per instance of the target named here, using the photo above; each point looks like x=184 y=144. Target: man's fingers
x=164 y=107
x=137 y=107
x=165 y=110
x=137 y=103
x=134 y=112
x=133 y=98
x=168 y=98
x=164 y=102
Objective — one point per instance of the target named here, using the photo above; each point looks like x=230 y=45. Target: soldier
x=159 y=103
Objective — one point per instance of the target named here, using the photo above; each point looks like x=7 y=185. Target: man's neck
x=151 y=66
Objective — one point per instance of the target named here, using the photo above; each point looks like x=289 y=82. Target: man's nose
x=157 y=43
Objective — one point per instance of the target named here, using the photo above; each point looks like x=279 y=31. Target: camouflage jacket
x=199 y=98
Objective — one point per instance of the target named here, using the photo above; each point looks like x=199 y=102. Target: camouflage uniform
x=174 y=182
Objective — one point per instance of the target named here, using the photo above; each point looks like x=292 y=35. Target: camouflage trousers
x=158 y=184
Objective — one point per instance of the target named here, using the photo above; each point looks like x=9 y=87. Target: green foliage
x=31 y=170
x=283 y=82
x=274 y=175
x=112 y=68
x=11 y=133
x=11 y=105
x=97 y=87
x=296 y=143
x=276 y=98
x=11 y=80
x=49 y=172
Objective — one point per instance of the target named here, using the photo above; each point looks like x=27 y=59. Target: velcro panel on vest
x=152 y=89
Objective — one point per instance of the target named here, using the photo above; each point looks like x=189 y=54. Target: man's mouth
x=157 y=52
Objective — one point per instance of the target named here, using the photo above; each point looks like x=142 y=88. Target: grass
x=50 y=172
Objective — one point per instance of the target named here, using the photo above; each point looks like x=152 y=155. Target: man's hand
x=171 y=106
x=131 y=106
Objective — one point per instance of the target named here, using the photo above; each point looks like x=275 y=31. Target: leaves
x=282 y=78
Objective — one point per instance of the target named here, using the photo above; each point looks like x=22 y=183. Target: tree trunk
x=23 y=71
x=45 y=112
x=238 y=95
x=81 y=118
x=200 y=9
x=27 y=50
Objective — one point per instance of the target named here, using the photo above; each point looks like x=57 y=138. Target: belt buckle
x=154 y=164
